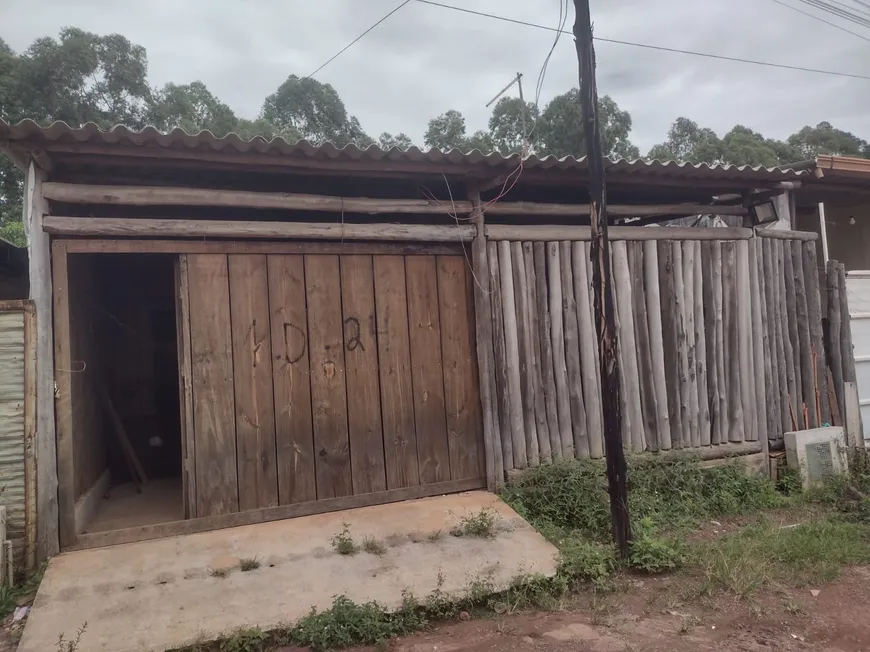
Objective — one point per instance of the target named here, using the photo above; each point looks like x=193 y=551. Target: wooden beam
x=39 y=257
x=784 y=234
x=640 y=210
x=485 y=356
x=168 y=196
x=81 y=246
x=179 y=196
x=549 y=233
x=144 y=228
x=62 y=389
x=30 y=395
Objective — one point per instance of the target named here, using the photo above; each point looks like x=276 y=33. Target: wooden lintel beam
x=147 y=228
x=549 y=233
x=173 y=196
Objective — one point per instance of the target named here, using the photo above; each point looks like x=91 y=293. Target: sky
x=424 y=60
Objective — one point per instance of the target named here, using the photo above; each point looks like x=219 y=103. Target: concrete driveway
x=167 y=593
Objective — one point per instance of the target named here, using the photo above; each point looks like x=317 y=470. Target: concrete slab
x=155 y=595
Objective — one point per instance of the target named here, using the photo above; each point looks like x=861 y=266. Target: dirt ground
x=652 y=615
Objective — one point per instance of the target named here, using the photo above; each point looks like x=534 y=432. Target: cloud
x=424 y=60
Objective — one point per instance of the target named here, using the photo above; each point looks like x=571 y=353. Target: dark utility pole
x=602 y=282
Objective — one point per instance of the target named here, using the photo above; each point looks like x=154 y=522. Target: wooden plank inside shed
x=363 y=386
x=425 y=335
x=326 y=358
x=252 y=372
x=394 y=365
x=290 y=380
x=461 y=390
x=213 y=396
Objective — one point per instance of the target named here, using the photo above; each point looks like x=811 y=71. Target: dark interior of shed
x=123 y=331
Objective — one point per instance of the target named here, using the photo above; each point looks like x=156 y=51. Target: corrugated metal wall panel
x=12 y=484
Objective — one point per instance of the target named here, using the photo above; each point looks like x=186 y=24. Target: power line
x=652 y=47
x=820 y=19
x=840 y=12
x=349 y=45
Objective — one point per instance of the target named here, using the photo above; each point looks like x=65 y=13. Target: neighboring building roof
x=28 y=135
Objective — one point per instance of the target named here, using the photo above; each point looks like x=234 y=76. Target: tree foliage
x=191 y=107
x=388 y=141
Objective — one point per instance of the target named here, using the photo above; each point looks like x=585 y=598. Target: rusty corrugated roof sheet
x=34 y=136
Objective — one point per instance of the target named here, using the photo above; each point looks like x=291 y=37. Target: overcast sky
x=424 y=60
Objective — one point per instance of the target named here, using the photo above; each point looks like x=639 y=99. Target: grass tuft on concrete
x=481 y=524
x=343 y=542
x=249 y=564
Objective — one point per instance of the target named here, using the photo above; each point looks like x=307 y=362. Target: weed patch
x=480 y=524
x=249 y=564
x=71 y=645
x=343 y=542
x=374 y=547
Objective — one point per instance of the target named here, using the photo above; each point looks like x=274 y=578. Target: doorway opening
x=127 y=446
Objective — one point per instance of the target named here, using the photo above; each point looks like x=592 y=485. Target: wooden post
x=757 y=341
x=691 y=343
x=500 y=359
x=654 y=318
x=730 y=298
x=701 y=350
x=682 y=347
x=846 y=329
x=512 y=350
x=633 y=417
x=814 y=315
x=549 y=378
x=808 y=376
x=710 y=312
x=557 y=336
x=771 y=398
x=744 y=317
x=778 y=366
x=572 y=354
x=525 y=345
x=785 y=316
x=39 y=257
x=485 y=356
x=617 y=470
x=670 y=325
x=834 y=334
x=791 y=316
x=541 y=425
x=649 y=437
x=588 y=350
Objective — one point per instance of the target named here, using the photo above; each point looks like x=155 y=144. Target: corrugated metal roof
x=34 y=136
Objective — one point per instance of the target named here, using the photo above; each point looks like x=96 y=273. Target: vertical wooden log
x=544 y=330
x=557 y=337
x=771 y=395
x=627 y=344
x=670 y=344
x=722 y=394
x=485 y=355
x=691 y=342
x=656 y=343
x=848 y=351
x=587 y=248
x=780 y=333
x=709 y=304
x=814 y=316
x=792 y=329
x=789 y=388
x=572 y=354
x=701 y=350
x=512 y=348
x=808 y=377
x=644 y=352
x=525 y=345
x=744 y=317
x=835 y=333
x=588 y=350
x=731 y=324
x=541 y=425
x=757 y=341
x=682 y=345
x=502 y=395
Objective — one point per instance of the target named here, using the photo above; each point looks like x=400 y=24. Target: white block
x=817 y=453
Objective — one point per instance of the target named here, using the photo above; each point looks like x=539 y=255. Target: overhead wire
x=822 y=20
x=353 y=42
x=837 y=11
x=647 y=46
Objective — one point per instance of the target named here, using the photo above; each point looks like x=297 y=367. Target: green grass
x=9 y=596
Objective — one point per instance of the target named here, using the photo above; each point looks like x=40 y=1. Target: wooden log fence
x=721 y=344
